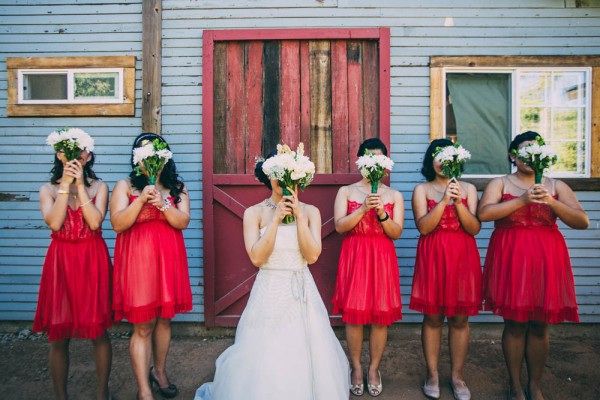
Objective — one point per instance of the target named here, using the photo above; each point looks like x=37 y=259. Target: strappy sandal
x=375 y=390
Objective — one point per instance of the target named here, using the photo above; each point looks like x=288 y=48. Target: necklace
x=269 y=203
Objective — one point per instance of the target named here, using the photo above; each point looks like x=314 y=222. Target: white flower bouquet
x=151 y=158
x=71 y=142
x=539 y=156
x=373 y=166
x=291 y=169
x=452 y=159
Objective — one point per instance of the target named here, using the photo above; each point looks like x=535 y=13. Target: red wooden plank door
x=264 y=87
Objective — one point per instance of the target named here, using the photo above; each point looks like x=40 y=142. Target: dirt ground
x=573 y=368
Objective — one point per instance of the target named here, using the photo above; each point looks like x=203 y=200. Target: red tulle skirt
x=447 y=276
x=528 y=275
x=367 y=288
x=74 y=299
x=151 y=277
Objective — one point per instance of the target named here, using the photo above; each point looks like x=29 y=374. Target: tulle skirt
x=75 y=298
x=447 y=276
x=367 y=289
x=528 y=276
x=151 y=277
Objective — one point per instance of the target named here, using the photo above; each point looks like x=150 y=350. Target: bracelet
x=63 y=192
x=166 y=206
x=86 y=203
x=387 y=216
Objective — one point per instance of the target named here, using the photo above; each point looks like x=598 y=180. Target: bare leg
x=431 y=339
x=377 y=342
x=536 y=354
x=458 y=338
x=354 y=337
x=161 y=341
x=103 y=357
x=513 y=346
x=59 y=367
x=140 y=351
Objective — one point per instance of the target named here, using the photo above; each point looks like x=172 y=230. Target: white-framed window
x=70 y=86
x=486 y=107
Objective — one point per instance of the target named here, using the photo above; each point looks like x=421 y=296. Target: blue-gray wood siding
x=113 y=27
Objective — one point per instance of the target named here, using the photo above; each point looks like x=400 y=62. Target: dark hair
x=372 y=144
x=168 y=177
x=259 y=173
x=523 y=137
x=427 y=171
x=88 y=173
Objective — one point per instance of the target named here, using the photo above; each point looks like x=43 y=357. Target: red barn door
x=327 y=88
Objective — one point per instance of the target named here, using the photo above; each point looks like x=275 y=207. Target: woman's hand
x=72 y=171
x=155 y=198
x=540 y=194
x=282 y=210
x=453 y=192
x=149 y=194
x=293 y=204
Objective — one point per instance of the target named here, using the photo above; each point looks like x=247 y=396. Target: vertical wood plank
x=595 y=142
x=271 y=94
x=219 y=108
x=151 y=65
x=320 y=105
x=339 y=107
x=384 y=87
x=437 y=104
x=355 y=96
x=371 y=87
x=305 y=97
x=236 y=110
x=254 y=103
x=290 y=92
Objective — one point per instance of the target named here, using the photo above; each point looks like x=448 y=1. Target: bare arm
x=344 y=222
x=309 y=233
x=123 y=214
x=426 y=221
x=466 y=215
x=393 y=226
x=178 y=217
x=54 y=209
x=566 y=206
x=94 y=212
x=492 y=208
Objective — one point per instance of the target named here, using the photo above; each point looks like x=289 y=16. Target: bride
x=284 y=346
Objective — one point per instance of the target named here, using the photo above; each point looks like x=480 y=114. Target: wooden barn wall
x=418 y=29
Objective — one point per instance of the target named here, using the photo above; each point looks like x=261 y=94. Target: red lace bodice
x=149 y=212
x=368 y=225
x=75 y=228
x=532 y=215
x=449 y=220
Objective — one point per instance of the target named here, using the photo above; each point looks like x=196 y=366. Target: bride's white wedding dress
x=284 y=346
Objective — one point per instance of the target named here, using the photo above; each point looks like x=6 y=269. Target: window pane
x=559 y=114
x=97 y=85
x=480 y=105
x=44 y=86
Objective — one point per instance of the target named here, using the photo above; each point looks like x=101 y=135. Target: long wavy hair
x=88 y=173
x=427 y=170
x=168 y=176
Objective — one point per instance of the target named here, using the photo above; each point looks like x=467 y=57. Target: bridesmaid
x=528 y=278
x=74 y=300
x=367 y=289
x=151 y=281
x=447 y=281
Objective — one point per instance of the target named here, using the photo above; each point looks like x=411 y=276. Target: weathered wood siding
x=419 y=30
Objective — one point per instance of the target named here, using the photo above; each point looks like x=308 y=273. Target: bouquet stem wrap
x=288 y=219
x=539 y=176
x=374 y=186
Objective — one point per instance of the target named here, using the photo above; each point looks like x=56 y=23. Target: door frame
x=209 y=38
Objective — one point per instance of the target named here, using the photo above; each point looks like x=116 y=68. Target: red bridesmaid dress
x=151 y=276
x=74 y=299
x=367 y=288
x=527 y=273
x=447 y=276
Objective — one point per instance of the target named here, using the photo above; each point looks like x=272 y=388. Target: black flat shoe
x=169 y=392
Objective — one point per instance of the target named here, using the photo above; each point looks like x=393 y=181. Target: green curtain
x=481 y=105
